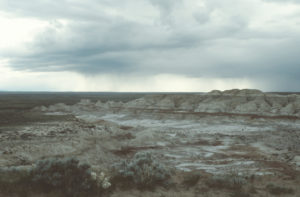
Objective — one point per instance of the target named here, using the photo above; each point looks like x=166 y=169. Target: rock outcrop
x=230 y=101
x=234 y=101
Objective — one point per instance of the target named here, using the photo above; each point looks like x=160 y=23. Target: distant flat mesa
x=245 y=101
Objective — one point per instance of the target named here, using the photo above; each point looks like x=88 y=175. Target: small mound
x=243 y=92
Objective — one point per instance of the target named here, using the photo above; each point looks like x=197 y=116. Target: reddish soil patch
x=130 y=150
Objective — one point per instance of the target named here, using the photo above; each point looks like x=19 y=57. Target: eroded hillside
x=245 y=132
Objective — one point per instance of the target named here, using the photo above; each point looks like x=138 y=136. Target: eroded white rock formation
x=230 y=101
x=234 y=101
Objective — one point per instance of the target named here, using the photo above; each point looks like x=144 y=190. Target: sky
x=149 y=45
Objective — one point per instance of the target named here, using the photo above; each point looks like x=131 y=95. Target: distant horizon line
x=128 y=92
x=34 y=91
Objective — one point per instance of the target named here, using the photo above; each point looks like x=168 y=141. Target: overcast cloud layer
x=255 y=40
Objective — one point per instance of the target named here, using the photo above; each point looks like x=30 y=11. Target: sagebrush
x=143 y=171
x=67 y=175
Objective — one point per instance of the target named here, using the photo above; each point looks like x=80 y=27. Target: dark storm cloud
x=117 y=46
x=214 y=39
x=87 y=44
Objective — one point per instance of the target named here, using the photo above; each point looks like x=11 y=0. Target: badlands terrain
x=248 y=134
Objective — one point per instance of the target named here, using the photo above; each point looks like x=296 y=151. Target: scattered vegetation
x=240 y=193
x=191 y=179
x=14 y=180
x=278 y=190
x=70 y=178
x=231 y=181
x=65 y=176
x=142 y=171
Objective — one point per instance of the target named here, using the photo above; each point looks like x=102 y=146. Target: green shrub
x=142 y=171
x=66 y=175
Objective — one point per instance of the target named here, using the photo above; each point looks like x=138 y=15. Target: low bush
x=66 y=175
x=278 y=190
x=240 y=193
x=14 y=180
x=191 y=179
x=230 y=181
x=142 y=171
x=13 y=174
